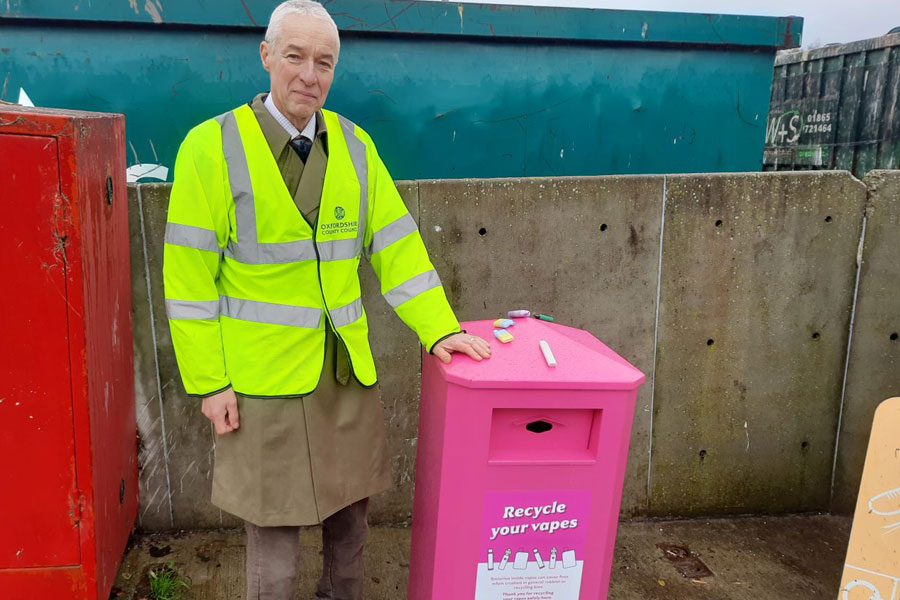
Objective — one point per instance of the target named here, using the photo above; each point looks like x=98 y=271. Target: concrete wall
x=734 y=293
x=755 y=300
x=873 y=370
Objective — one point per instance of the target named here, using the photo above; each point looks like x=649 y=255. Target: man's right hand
x=222 y=410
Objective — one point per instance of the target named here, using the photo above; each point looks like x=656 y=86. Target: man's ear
x=264 y=54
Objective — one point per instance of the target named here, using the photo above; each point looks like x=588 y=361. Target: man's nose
x=307 y=73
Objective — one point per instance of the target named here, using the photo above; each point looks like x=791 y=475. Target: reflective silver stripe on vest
x=192 y=309
x=192 y=237
x=238 y=179
x=277 y=252
x=358 y=157
x=392 y=232
x=347 y=314
x=268 y=312
x=247 y=250
x=411 y=288
x=338 y=249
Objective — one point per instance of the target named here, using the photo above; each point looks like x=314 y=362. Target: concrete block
x=189 y=435
x=874 y=369
x=763 y=265
x=153 y=513
x=757 y=279
x=398 y=360
x=584 y=250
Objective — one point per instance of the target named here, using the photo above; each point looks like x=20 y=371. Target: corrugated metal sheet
x=836 y=107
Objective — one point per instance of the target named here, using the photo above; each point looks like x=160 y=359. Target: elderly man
x=272 y=206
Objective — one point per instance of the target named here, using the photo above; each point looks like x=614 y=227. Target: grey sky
x=826 y=21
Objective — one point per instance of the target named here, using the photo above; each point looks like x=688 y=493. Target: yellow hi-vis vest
x=249 y=285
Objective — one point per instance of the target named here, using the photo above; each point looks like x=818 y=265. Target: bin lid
x=583 y=361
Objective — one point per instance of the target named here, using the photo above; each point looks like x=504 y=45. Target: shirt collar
x=309 y=131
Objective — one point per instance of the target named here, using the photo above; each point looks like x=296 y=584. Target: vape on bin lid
x=548 y=353
x=538 y=559
x=490 y=559
x=503 y=335
x=553 y=558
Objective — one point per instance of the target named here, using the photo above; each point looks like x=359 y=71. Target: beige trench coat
x=296 y=461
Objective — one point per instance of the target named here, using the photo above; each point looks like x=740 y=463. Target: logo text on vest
x=339 y=226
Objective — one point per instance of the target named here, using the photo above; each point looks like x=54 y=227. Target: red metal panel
x=38 y=512
x=102 y=214
x=87 y=222
x=56 y=583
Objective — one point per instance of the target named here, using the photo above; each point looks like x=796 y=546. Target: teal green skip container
x=447 y=90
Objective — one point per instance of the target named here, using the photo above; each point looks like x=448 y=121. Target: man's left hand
x=474 y=346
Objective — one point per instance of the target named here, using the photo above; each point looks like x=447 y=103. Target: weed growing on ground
x=166 y=583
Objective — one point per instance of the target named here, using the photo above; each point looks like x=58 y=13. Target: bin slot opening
x=539 y=426
x=529 y=435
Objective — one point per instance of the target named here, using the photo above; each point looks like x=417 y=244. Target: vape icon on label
x=521 y=559
x=505 y=559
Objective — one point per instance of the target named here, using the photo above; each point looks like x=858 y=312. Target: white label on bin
x=532 y=544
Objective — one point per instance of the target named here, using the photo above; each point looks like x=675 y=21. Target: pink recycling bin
x=520 y=468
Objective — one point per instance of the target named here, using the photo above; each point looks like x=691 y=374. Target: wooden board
x=872 y=569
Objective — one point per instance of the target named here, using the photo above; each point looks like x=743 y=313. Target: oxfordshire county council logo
x=339 y=213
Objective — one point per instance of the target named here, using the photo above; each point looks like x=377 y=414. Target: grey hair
x=308 y=8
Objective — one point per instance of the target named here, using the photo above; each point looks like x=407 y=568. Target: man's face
x=300 y=62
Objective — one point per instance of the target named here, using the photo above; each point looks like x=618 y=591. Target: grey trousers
x=273 y=554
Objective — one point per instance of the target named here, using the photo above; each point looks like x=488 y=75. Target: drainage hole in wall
x=816 y=335
x=804 y=444
x=828 y=219
x=894 y=336
x=482 y=231
x=710 y=342
x=719 y=223
x=603 y=227
x=702 y=454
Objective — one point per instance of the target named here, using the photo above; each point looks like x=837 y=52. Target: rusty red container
x=68 y=455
